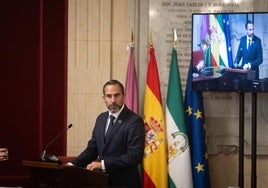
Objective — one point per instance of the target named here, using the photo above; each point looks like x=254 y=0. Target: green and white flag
x=179 y=159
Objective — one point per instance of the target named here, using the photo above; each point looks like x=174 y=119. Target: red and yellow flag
x=155 y=155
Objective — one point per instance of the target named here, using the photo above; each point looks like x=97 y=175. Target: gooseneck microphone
x=52 y=158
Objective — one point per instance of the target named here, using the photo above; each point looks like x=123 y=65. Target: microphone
x=52 y=158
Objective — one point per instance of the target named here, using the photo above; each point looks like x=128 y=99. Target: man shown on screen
x=250 y=50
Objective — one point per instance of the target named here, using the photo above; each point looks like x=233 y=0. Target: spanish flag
x=155 y=155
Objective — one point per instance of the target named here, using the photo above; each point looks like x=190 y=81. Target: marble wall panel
x=89 y=67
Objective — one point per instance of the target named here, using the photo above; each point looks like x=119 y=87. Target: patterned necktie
x=112 y=118
x=249 y=43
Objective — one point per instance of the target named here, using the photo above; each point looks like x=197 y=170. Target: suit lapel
x=102 y=124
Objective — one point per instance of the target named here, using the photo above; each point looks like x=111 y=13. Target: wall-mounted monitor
x=230 y=51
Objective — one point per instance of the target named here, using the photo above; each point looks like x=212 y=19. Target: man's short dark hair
x=114 y=82
x=248 y=22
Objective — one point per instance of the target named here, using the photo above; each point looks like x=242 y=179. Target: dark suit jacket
x=252 y=56
x=122 y=151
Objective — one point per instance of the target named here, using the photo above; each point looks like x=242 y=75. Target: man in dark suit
x=119 y=151
x=250 y=50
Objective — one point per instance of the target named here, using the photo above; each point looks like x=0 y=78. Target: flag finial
x=150 y=39
x=132 y=39
x=175 y=39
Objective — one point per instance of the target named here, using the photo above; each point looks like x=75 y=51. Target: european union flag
x=226 y=25
x=197 y=135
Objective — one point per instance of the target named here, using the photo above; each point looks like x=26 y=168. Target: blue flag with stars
x=197 y=135
x=226 y=26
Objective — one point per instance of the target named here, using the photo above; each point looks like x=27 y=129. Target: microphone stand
x=52 y=158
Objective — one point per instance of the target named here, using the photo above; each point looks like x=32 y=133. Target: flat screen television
x=230 y=52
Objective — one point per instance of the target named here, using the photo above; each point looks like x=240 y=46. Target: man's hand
x=247 y=66
x=94 y=166
x=238 y=65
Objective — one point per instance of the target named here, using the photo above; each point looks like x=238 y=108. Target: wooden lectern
x=53 y=175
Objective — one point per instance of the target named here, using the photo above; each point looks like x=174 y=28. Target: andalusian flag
x=216 y=40
x=131 y=86
x=155 y=154
x=197 y=135
x=179 y=159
